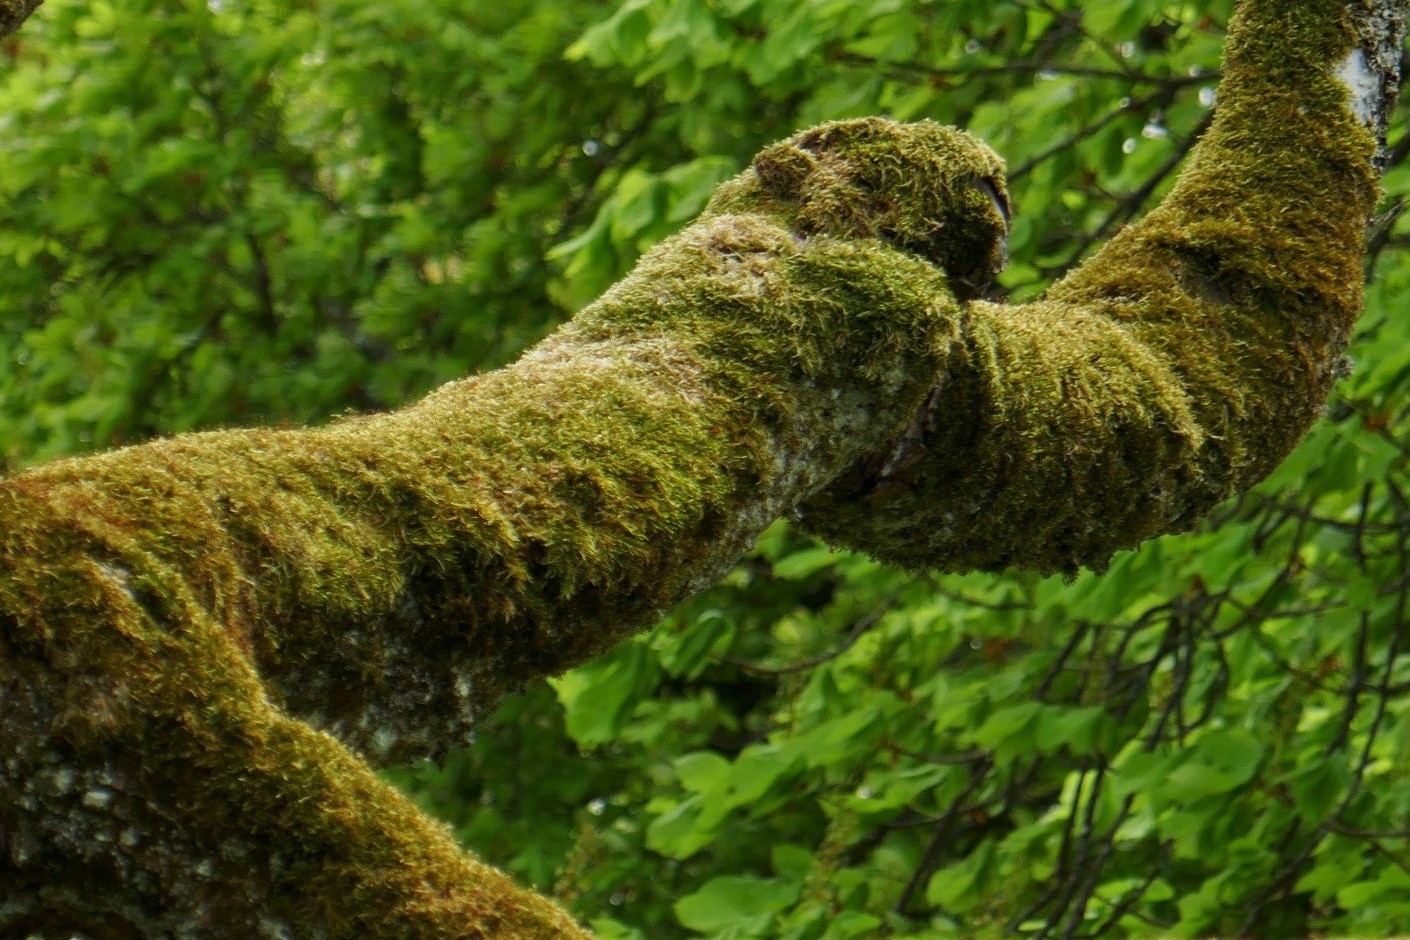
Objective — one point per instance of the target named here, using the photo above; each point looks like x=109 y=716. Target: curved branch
x=1184 y=360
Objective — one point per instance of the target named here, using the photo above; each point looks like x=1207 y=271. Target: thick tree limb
x=1181 y=363
x=189 y=629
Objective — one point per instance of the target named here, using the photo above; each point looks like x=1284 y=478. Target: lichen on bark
x=197 y=634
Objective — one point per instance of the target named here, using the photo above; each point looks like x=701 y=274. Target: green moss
x=1175 y=368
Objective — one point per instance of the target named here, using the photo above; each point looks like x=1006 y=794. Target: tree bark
x=13 y=13
x=197 y=635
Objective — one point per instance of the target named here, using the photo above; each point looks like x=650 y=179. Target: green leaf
x=732 y=901
x=597 y=697
x=956 y=887
x=1078 y=729
x=702 y=771
x=792 y=862
x=1218 y=762
x=758 y=770
x=1007 y=724
x=850 y=925
x=1392 y=885
x=676 y=833
x=1317 y=787
x=801 y=564
x=688 y=653
x=836 y=740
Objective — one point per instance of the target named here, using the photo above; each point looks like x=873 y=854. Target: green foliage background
x=232 y=212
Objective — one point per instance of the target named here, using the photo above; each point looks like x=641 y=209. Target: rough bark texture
x=196 y=635
x=13 y=13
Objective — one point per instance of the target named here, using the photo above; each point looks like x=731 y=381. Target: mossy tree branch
x=1182 y=362
x=197 y=634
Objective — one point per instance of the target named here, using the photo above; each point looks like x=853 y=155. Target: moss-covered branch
x=197 y=634
x=1181 y=363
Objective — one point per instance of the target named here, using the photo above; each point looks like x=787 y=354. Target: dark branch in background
x=943 y=832
x=1073 y=21
x=859 y=629
x=1133 y=202
x=1134 y=106
x=1190 y=631
x=1292 y=868
x=941 y=76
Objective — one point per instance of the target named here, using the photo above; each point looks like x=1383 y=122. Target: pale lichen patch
x=1363 y=86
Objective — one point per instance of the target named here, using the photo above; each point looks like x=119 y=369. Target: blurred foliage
x=249 y=212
